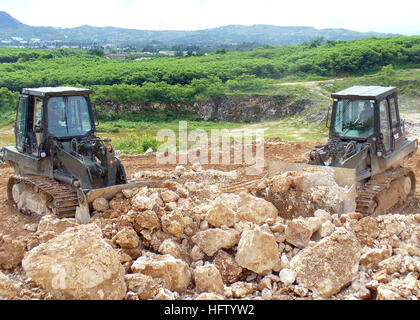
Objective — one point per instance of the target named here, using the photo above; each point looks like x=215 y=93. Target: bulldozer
x=60 y=164
x=366 y=150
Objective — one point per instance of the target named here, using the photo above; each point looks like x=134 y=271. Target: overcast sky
x=401 y=16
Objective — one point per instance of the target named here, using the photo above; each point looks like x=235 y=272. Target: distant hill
x=227 y=35
x=7 y=21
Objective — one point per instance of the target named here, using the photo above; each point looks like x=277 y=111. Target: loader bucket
x=344 y=177
x=109 y=192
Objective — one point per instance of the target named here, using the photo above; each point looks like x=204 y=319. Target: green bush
x=131 y=145
x=149 y=142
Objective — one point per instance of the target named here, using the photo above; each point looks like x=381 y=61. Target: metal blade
x=82 y=211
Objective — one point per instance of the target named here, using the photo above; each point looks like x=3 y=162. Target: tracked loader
x=60 y=165
x=366 y=151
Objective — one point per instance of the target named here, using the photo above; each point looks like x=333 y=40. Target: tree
x=97 y=51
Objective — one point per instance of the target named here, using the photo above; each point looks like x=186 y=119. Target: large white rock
x=141 y=202
x=221 y=213
x=256 y=210
x=330 y=265
x=174 y=271
x=212 y=240
x=77 y=264
x=257 y=250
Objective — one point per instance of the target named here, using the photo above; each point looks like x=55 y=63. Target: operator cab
x=63 y=113
x=368 y=112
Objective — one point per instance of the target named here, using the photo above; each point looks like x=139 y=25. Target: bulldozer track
x=366 y=202
x=63 y=199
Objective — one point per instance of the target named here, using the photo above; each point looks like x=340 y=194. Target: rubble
x=8 y=289
x=11 y=251
x=144 y=286
x=127 y=238
x=285 y=239
x=301 y=193
x=211 y=240
x=77 y=264
x=257 y=250
x=227 y=266
x=298 y=233
x=256 y=210
x=174 y=271
x=208 y=279
x=329 y=265
x=100 y=205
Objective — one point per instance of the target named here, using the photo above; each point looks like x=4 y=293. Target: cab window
x=384 y=124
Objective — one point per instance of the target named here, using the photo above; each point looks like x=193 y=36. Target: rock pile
x=173 y=243
x=300 y=193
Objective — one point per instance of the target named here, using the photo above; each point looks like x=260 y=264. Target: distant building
x=142 y=58
x=116 y=55
x=167 y=53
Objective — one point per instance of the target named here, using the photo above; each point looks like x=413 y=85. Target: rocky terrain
x=190 y=239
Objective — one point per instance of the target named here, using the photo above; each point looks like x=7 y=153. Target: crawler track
x=62 y=201
x=368 y=201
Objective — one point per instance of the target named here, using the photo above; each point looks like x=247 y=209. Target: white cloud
x=362 y=15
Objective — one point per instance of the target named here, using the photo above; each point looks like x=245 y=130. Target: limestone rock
x=208 y=279
x=164 y=294
x=77 y=264
x=174 y=271
x=329 y=265
x=143 y=285
x=51 y=223
x=141 y=202
x=212 y=240
x=241 y=289
x=147 y=220
x=170 y=206
x=196 y=253
x=256 y=210
x=373 y=257
x=313 y=223
x=323 y=215
x=227 y=266
x=287 y=276
x=12 y=251
x=169 y=196
x=100 y=205
x=385 y=293
x=169 y=246
x=298 y=233
x=210 y=296
x=173 y=223
x=366 y=229
x=128 y=193
x=127 y=238
x=257 y=250
x=220 y=214
x=8 y=290
x=327 y=228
